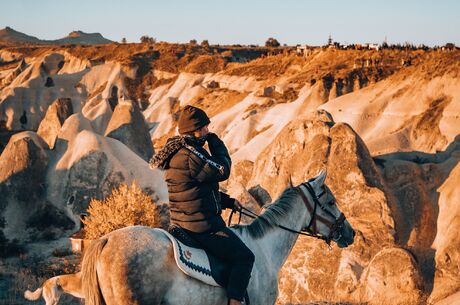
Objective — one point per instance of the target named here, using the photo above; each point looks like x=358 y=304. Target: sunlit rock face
x=55 y=116
x=447 y=240
x=314 y=272
x=90 y=166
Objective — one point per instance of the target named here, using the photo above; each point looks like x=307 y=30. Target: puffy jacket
x=193 y=177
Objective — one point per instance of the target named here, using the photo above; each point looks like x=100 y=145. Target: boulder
x=22 y=174
x=128 y=126
x=392 y=277
x=54 y=118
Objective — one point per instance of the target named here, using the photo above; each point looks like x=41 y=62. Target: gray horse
x=135 y=265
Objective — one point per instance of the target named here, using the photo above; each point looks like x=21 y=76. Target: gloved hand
x=237 y=206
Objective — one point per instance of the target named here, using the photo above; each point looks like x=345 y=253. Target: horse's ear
x=319 y=180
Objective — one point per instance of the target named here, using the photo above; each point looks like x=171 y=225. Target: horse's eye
x=332 y=202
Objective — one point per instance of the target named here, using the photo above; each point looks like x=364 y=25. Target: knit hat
x=191 y=119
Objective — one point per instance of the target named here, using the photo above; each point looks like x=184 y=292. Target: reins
x=337 y=225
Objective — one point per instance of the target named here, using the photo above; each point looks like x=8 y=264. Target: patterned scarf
x=160 y=159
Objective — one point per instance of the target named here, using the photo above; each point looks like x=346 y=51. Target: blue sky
x=247 y=22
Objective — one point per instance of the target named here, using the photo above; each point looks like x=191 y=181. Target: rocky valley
x=77 y=121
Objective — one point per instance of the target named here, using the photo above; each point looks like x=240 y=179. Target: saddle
x=195 y=262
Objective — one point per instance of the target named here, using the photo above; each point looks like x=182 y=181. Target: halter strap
x=334 y=227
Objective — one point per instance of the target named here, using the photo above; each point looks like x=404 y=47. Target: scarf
x=160 y=159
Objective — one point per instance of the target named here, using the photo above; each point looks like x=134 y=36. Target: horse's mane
x=274 y=213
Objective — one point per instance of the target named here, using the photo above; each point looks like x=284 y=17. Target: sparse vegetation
x=126 y=206
x=147 y=39
x=450 y=46
x=272 y=42
x=29 y=272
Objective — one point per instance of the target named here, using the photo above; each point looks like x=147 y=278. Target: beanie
x=191 y=119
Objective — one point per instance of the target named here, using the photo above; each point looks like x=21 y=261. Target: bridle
x=335 y=227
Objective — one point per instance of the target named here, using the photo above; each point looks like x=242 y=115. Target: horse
x=135 y=265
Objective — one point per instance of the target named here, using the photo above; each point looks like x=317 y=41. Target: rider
x=195 y=202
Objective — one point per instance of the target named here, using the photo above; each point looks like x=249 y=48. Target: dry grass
x=266 y=67
x=126 y=206
x=217 y=100
x=14 y=285
x=206 y=64
x=30 y=272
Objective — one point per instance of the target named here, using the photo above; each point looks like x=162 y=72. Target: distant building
x=330 y=42
x=304 y=50
x=373 y=46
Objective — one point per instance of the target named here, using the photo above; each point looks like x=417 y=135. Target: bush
x=147 y=39
x=126 y=206
x=272 y=42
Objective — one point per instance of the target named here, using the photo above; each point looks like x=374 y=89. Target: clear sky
x=432 y=22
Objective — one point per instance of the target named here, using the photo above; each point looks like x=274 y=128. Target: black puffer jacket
x=194 y=199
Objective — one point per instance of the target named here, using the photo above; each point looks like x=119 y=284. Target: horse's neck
x=279 y=242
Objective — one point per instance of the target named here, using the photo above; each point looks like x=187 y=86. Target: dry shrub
x=126 y=206
x=206 y=64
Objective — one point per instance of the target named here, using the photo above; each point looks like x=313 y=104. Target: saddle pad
x=192 y=261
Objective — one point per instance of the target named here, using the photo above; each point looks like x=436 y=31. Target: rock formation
x=392 y=277
x=128 y=126
x=23 y=166
x=302 y=149
x=54 y=118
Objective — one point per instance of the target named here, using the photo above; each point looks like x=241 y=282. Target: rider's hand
x=237 y=206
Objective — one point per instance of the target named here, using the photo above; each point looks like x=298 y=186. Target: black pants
x=224 y=244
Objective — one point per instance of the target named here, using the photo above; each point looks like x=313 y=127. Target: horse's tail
x=33 y=296
x=90 y=284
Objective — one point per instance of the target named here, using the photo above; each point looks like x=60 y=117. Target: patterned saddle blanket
x=195 y=262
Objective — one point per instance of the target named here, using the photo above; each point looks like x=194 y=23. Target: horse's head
x=326 y=221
